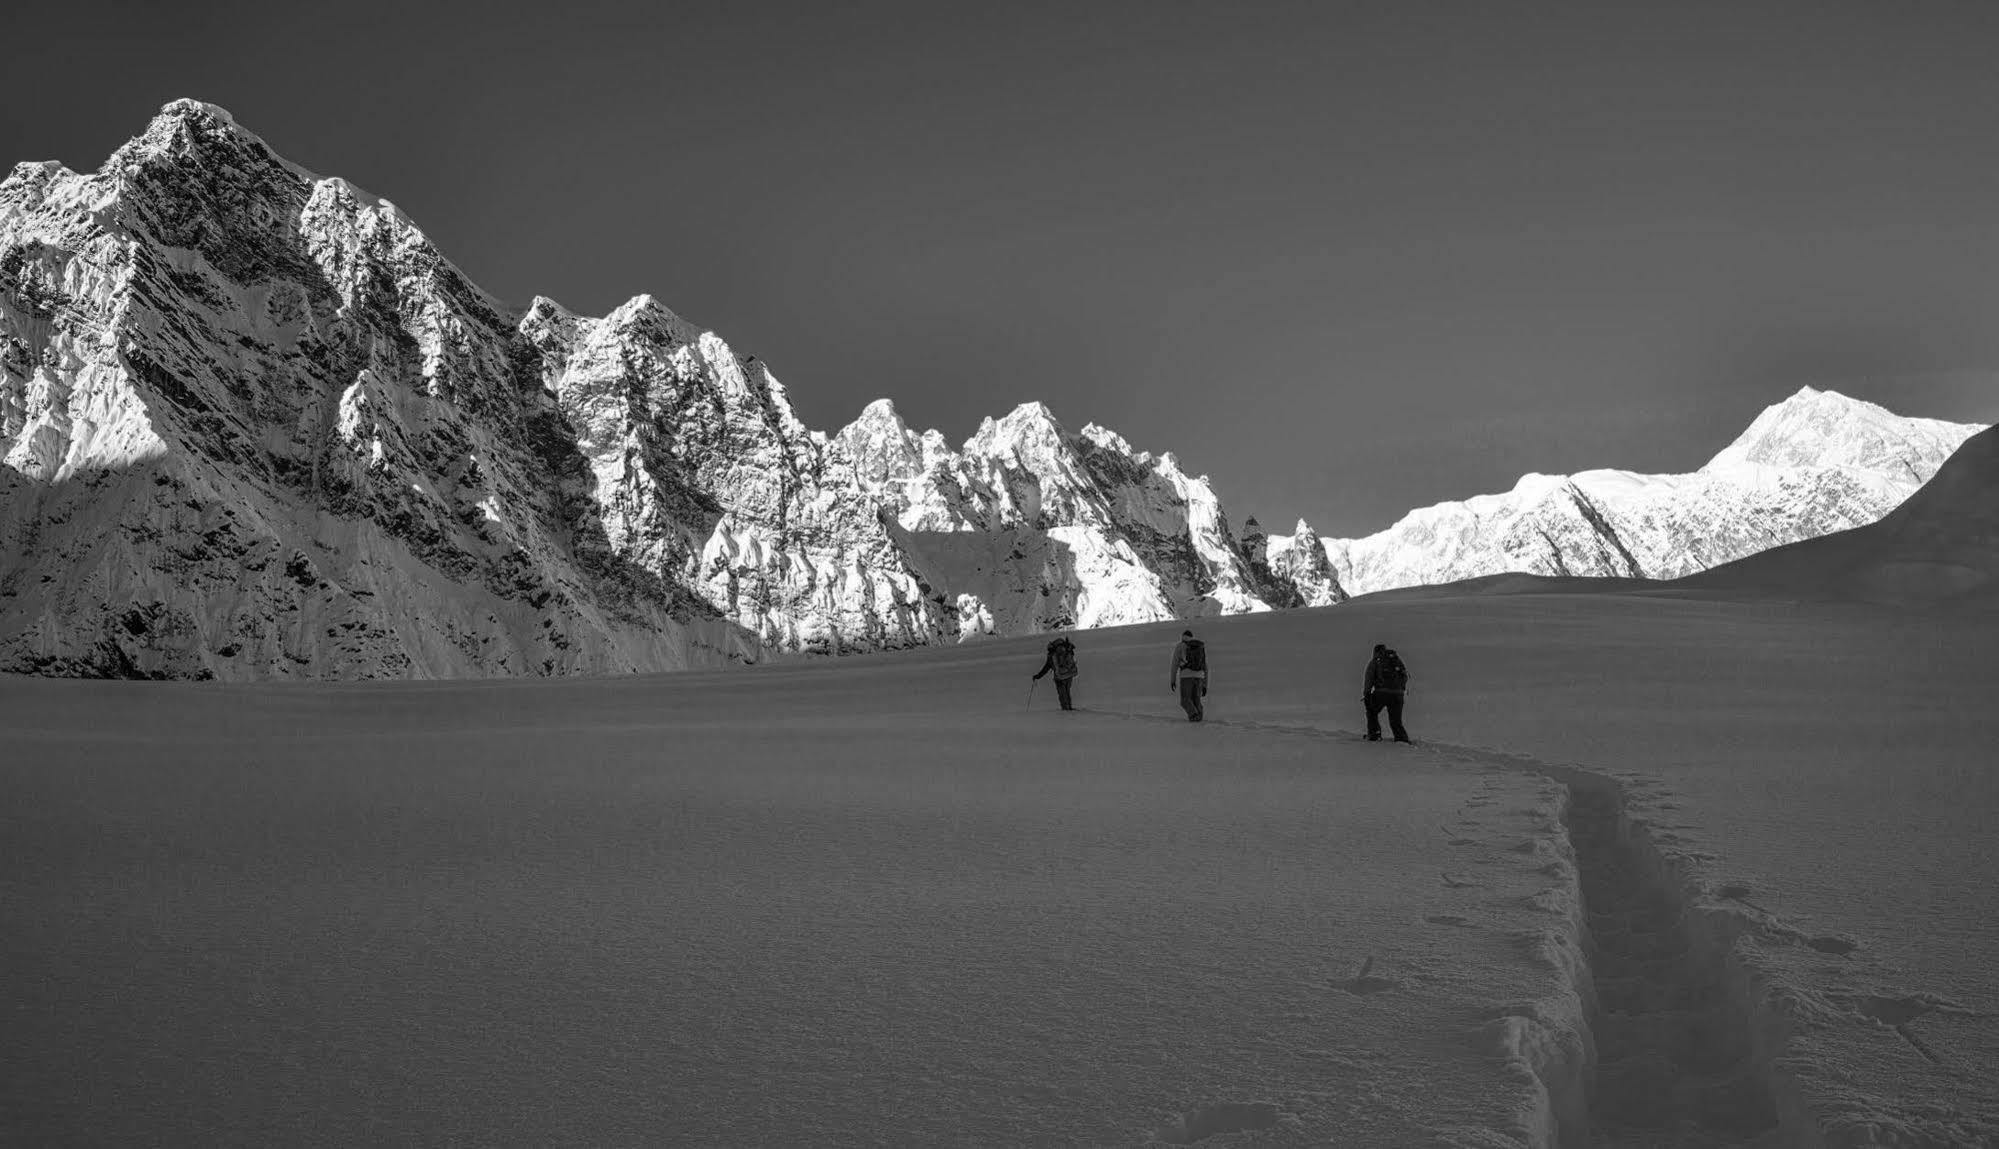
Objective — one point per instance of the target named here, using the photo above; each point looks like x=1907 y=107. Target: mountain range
x=253 y=424
x=1816 y=463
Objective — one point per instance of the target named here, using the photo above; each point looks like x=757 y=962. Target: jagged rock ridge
x=254 y=424
x=1040 y=529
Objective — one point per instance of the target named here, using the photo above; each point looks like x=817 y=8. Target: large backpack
x=1389 y=673
x=1196 y=656
x=1063 y=652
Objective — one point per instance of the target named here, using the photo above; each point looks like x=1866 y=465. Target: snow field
x=1665 y=870
x=871 y=901
x=1810 y=784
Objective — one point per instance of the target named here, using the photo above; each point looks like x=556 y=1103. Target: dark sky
x=1346 y=258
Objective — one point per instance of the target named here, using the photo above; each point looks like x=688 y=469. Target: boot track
x=1683 y=1031
x=1685 y=1037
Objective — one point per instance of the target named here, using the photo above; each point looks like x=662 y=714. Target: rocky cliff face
x=255 y=424
x=1816 y=463
x=1038 y=529
x=1302 y=559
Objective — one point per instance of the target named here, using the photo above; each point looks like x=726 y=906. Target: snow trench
x=1683 y=1032
x=1667 y=1034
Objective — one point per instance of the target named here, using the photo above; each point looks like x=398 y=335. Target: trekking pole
x=1031 y=684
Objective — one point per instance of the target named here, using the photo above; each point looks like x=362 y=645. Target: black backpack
x=1064 y=654
x=1389 y=673
x=1196 y=657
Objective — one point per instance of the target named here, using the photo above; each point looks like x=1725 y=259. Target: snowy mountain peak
x=882 y=414
x=542 y=309
x=1825 y=428
x=644 y=313
x=185 y=129
x=548 y=326
x=1031 y=419
x=1816 y=463
x=187 y=108
x=1301 y=561
x=1028 y=430
x=1535 y=485
x=883 y=452
x=177 y=120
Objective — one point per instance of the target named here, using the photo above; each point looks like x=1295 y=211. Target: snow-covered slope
x=254 y=424
x=1663 y=869
x=1816 y=463
x=1940 y=546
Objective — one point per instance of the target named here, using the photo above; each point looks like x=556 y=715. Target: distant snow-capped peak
x=1812 y=464
x=1817 y=428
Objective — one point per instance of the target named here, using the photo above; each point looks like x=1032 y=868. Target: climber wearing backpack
x=1062 y=661
x=1190 y=674
x=1387 y=680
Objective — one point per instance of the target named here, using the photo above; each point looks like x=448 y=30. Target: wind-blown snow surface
x=881 y=901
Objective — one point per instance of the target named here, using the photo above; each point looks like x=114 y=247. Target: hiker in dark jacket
x=1190 y=674
x=1062 y=662
x=1386 y=682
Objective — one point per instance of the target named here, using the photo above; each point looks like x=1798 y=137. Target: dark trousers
x=1062 y=692
x=1376 y=700
x=1191 y=690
